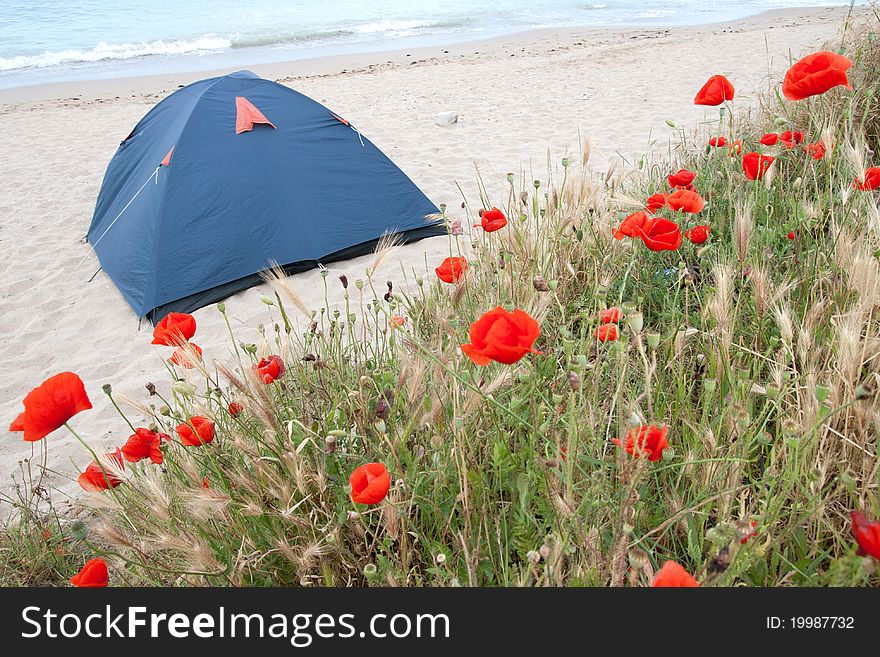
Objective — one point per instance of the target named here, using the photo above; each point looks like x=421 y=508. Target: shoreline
x=106 y=88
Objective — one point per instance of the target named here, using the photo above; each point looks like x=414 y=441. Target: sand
x=517 y=97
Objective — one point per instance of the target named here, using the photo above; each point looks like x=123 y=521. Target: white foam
x=108 y=51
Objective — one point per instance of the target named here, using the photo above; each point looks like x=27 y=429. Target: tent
x=228 y=175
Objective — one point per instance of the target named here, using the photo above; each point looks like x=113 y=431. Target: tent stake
x=95 y=274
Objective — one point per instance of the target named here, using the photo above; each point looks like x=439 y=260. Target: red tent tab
x=167 y=160
x=246 y=115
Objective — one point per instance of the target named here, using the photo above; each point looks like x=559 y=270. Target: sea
x=58 y=40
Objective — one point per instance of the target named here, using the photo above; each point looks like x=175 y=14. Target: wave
x=213 y=43
x=106 y=51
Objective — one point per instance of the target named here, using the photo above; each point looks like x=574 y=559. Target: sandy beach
x=518 y=97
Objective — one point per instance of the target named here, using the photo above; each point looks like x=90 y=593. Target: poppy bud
x=553 y=285
x=150 y=389
x=533 y=556
x=344 y=280
x=324 y=273
x=420 y=281
x=864 y=392
x=330 y=444
x=540 y=284
x=107 y=388
x=653 y=340
x=221 y=307
x=165 y=411
x=267 y=300
x=440 y=558
x=183 y=388
x=382 y=409
x=443 y=208
x=574 y=380
x=370 y=570
x=510 y=178
x=537 y=184
x=822 y=393
x=565 y=162
x=359 y=283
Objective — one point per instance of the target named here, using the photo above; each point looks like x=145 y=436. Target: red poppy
x=716 y=90
x=648 y=440
x=698 y=234
x=790 y=138
x=752 y=531
x=174 y=329
x=717 y=142
x=755 y=165
x=492 y=220
x=815 y=74
x=451 y=269
x=610 y=315
x=681 y=178
x=656 y=201
x=673 y=575
x=502 y=336
x=770 y=139
x=182 y=354
x=791 y=236
x=369 y=483
x=685 y=200
x=816 y=150
x=92 y=576
x=202 y=435
x=235 y=408
x=734 y=148
x=867 y=534
x=50 y=405
x=270 y=368
x=660 y=234
x=607 y=333
x=629 y=225
x=96 y=476
x=144 y=444
x=871 y=181
x=397 y=321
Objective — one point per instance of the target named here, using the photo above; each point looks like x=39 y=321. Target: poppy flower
x=144 y=444
x=96 y=476
x=607 y=333
x=235 y=408
x=698 y=234
x=866 y=533
x=816 y=150
x=770 y=139
x=50 y=405
x=270 y=368
x=502 y=336
x=629 y=225
x=648 y=440
x=174 y=329
x=369 y=483
x=681 y=178
x=815 y=74
x=735 y=148
x=871 y=181
x=492 y=220
x=716 y=90
x=685 y=200
x=397 y=321
x=673 y=575
x=660 y=234
x=790 y=138
x=717 y=142
x=755 y=165
x=791 y=235
x=93 y=575
x=198 y=431
x=656 y=201
x=182 y=355
x=751 y=531
x=610 y=315
x=451 y=269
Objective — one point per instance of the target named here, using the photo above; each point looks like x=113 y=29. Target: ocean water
x=51 y=40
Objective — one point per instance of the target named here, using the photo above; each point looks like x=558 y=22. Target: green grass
x=762 y=353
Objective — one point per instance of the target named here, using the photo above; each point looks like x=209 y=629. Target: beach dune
x=518 y=98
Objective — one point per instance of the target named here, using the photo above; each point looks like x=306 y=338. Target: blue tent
x=228 y=175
